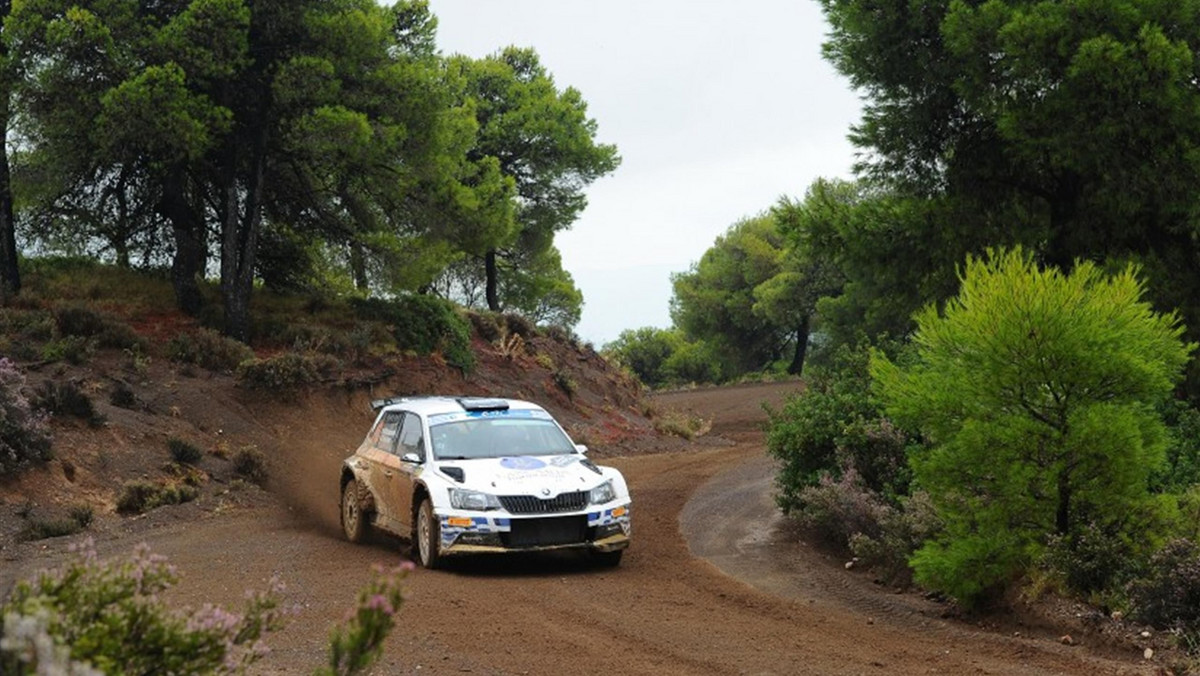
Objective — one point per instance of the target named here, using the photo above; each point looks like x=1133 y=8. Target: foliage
x=645 y=351
x=1035 y=390
x=1182 y=469
x=287 y=371
x=89 y=607
x=67 y=397
x=122 y=396
x=838 y=509
x=565 y=382
x=208 y=349
x=424 y=324
x=184 y=452
x=75 y=350
x=78 y=518
x=714 y=301
x=832 y=427
x=139 y=496
x=250 y=464
x=902 y=530
x=485 y=324
x=1092 y=558
x=1065 y=127
x=24 y=436
x=357 y=642
x=1168 y=594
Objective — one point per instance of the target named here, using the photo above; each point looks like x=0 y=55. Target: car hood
x=542 y=476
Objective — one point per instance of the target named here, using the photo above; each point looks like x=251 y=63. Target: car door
x=382 y=461
x=409 y=462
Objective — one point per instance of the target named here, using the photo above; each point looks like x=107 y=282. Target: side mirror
x=411 y=458
x=581 y=449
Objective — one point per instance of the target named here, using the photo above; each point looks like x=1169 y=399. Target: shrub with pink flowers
x=24 y=437
x=108 y=617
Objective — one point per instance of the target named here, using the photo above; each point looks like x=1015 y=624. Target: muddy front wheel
x=428 y=536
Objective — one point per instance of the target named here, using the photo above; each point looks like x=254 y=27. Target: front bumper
x=605 y=529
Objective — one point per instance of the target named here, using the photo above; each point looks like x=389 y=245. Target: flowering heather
x=358 y=641
x=24 y=435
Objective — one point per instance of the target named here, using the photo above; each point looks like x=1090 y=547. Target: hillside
x=142 y=401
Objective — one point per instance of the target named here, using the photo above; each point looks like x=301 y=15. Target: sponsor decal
x=523 y=462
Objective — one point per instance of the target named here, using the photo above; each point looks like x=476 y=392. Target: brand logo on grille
x=546 y=492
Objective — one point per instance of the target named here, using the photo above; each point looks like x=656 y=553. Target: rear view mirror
x=581 y=449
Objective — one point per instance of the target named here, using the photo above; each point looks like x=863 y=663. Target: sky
x=718 y=109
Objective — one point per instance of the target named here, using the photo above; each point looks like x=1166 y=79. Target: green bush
x=111 y=617
x=837 y=509
x=78 y=518
x=250 y=464
x=65 y=397
x=485 y=325
x=76 y=320
x=902 y=530
x=565 y=382
x=208 y=349
x=183 y=452
x=1182 y=468
x=423 y=324
x=122 y=396
x=645 y=351
x=1038 y=387
x=24 y=437
x=75 y=350
x=286 y=371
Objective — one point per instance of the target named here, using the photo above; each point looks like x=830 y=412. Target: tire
x=427 y=537
x=354 y=521
x=607 y=559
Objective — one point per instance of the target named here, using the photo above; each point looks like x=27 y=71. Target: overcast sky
x=717 y=109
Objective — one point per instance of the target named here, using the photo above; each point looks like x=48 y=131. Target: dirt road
x=712 y=585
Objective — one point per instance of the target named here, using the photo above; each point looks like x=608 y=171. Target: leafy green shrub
x=65 y=397
x=208 y=349
x=1091 y=558
x=561 y=335
x=645 y=351
x=286 y=371
x=423 y=324
x=89 y=607
x=121 y=336
x=1182 y=468
x=139 y=495
x=24 y=437
x=692 y=362
x=183 y=452
x=565 y=382
x=313 y=338
x=833 y=426
x=250 y=464
x=75 y=350
x=1168 y=595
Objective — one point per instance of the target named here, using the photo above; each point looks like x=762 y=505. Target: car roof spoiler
x=377 y=404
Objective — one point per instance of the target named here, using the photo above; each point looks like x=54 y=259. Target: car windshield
x=497 y=438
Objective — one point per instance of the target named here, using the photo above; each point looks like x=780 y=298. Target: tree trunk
x=489 y=266
x=358 y=266
x=797 y=366
x=1062 y=517
x=10 y=273
x=1061 y=250
x=239 y=244
x=191 y=245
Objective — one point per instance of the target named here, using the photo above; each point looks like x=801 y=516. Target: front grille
x=560 y=530
x=531 y=504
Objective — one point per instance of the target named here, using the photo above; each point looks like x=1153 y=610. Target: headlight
x=473 y=500
x=602 y=494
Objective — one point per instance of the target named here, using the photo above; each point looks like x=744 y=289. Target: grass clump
x=682 y=425
x=286 y=371
x=66 y=397
x=250 y=464
x=78 y=518
x=423 y=324
x=140 y=495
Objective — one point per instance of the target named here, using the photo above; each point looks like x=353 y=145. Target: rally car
x=464 y=475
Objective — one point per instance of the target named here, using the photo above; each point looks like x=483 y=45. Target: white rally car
x=462 y=475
